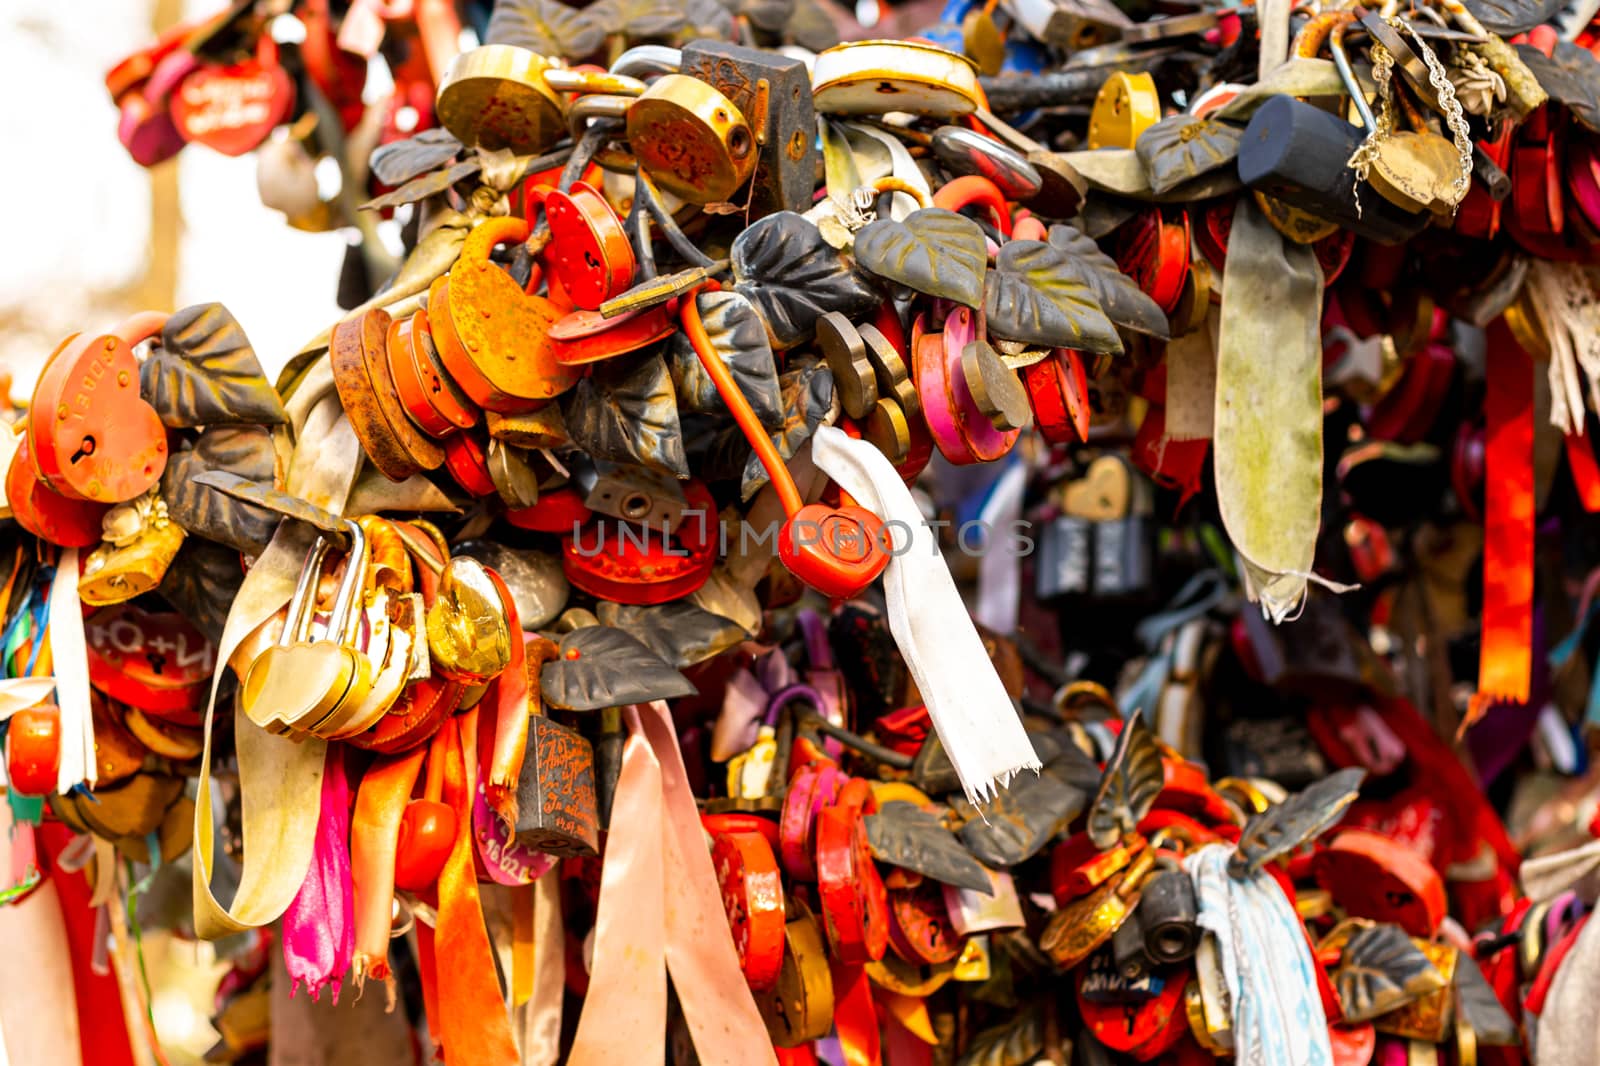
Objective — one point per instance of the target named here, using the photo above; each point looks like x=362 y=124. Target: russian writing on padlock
x=973 y=538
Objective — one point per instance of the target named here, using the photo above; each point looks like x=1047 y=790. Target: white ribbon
x=969 y=706
x=69 y=652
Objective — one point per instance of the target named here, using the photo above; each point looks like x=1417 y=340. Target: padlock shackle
x=297 y=623
x=344 y=617
x=739 y=406
x=643 y=60
x=140 y=327
x=1348 y=76
x=490 y=232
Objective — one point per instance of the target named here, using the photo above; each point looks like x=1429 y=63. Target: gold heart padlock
x=299 y=681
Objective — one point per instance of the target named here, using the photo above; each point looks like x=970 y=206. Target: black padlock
x=1298 y=154
x=1123 y=551
x=1167 y=917
x=774 y=93
x=1061 y=566
x=1128 y=949
x=556 y=807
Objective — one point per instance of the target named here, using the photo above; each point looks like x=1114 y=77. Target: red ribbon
x=1585 y=471
x=1505 y=664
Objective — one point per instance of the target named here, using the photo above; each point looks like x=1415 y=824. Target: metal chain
x=1453 y=114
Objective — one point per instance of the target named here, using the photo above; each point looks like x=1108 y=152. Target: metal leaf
x=1298 y=820
x=739 y=336
x=208 y=512
x=792 y=275
x=1379 y=970
x=709 y=18
x=934 y=251
x=427 y=185
x=1013 y=1043
x=1123 y=302
x=811 y=27
x=1181 y=147
x=1021 y=819
x=201 y=583
x=1511 y=17
x=1479 y=1007
x=807 y=402
x=264 y=495
x=204 y=373
x=1039 y=294
x=1128 y=785
x=601 y=666
x=640 y=19
x=903 y=834
x=627 y=412
x=679 y=632
x=547 y=27
x=397 y=163
x=1571 y=75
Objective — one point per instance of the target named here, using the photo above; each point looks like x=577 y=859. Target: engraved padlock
x=557 y=809
x=299 y=681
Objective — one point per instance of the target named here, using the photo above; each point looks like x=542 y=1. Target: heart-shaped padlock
x=45 y=513
x=231 y=109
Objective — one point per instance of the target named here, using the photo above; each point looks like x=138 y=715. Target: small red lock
x=1371 y=876
x=33 y=749
x=427 y=830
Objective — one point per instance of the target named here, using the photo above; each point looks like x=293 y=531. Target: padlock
x=871 y=77
x=1371 y=876
x=962 y=431
x=428 y=830
x=1143 y=1019
x=1058 y=393
x=1168 y=917
x=46 y=513
x=501 y=96
x=493 y=338
x=752 y=895
x=691 y=139
x=1077 y=929
x=773 y=92
x=157 y=662
x=359 y=354
x=231 y=109
x=799 y=1007
x=634 y=494
x=640 y=564
x=589 y=254
x=854 y=905
x=33 y=749
x=1073 y=25
x=407 y=351
x=1126 y=106
x=469 y=629
x=299 y=681
x=90 y=434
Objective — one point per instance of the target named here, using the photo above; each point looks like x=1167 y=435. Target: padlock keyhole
x=85 y=450
x=590 y=260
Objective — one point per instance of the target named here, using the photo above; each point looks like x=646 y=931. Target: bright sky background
x=78 y=208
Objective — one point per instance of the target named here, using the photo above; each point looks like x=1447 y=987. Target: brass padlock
x=300 y=681
x=691 y=139
x=501 y=96
x=556 y=807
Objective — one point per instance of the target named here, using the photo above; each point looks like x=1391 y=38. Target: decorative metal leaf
x=207 y=512
x=811 y=28
x=808 y=402
x=1298 y=820
x=1038 y=294
x=934 y=251
x=427 y=185
x=547 y=27
x=792 y=275
x=205 y=373
x=1571 y=75
x=769 y=16
x=679 y=632
x=627 y=412
x=1123 y=302
x=739 y=336
x=1479 y=1007
x=1128 y=785
x=1013 y=1043
x=1021 y=819
x=1181 y=147
x=202 y=582
x=1511 y=17
x=397 y=163
x=604 y=667
x=1380 y=970
x=262 y=494
x=640 y=19
x=709 y=18
x=907 y=836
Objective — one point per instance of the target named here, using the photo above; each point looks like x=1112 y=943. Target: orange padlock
x=33 y=749
x=1371 y=876
x=427 y=830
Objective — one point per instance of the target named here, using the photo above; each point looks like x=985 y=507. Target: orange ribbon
x=1585 y=471
x=374 y=840
x=1505 y=663
x=510 y=698
x=854 y=1016
x=641 y=923
x=473 y=1027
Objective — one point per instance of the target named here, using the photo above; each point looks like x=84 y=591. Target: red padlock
x=232 y=109
x=45 y=513
x=836 y=550
x=427 y=830
x=1371 y=876
x=589 y=254
x=752 y=896
x=33 y=749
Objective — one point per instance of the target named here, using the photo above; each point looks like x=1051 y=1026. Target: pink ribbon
x=649 y=924
x=319 y=938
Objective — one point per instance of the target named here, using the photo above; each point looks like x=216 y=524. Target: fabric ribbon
x=1268 y=417
x=1266 y=963
x=640 y=924
x=1505 y=663
x=374 y=841
x=1585 y=471
x=537 y=1024
x=999 y=568
x=511 y=694
x=69 y=655
x=1565 y=301
x=319 y=937
x=855 y=1018
x=472 y=1023
x=1569 y=1027
x=280 y=780
x=970 y=709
